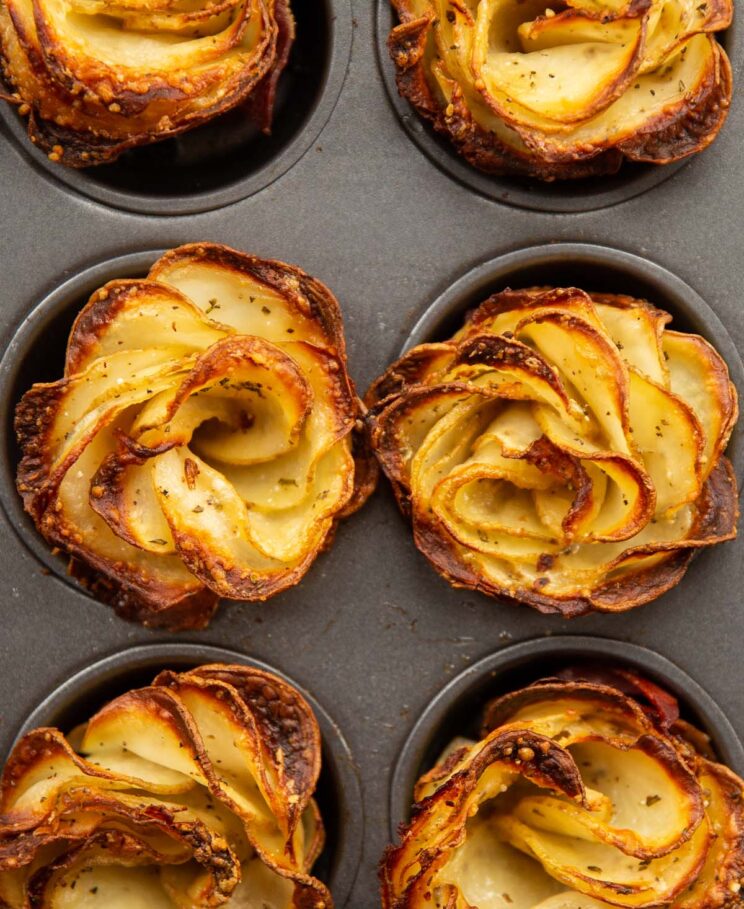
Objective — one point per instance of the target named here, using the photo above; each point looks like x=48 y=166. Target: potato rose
x=565 y=89
x=96 y=78
x=200 y=442
x=575 y=798
x=562 y=450
x=194 y=792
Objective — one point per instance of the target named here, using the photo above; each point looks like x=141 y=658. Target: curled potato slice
x=98 y=78
x=565 y=90
x=561 y=450
x=576 y=797
x=201 y=442
x=194 y=792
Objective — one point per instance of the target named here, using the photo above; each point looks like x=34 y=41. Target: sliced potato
x=565 y=90
x=561 y=450
x=200 y=444
x=194 y=792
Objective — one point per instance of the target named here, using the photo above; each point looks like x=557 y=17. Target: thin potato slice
x=569 y=65
x=121 y=313
x=621 y=879
x=206 y=18
x=698 y=375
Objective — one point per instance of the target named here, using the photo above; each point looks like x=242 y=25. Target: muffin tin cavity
x=582 y=195
x=228 y=158
x=457 y=709
x=338 y=794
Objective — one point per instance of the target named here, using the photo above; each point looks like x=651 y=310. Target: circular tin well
x=227 y=159
x=560 y=196
x=457 y=709
x=338 y=794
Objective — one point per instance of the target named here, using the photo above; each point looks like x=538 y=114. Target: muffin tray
x=354 y=189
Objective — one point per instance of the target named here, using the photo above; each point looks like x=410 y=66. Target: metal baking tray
x=353 y=189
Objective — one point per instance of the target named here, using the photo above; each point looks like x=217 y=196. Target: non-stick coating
x=372 y=631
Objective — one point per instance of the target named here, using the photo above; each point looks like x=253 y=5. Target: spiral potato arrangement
x=194 y=792
x=562 y=450
x=96 y=78
x=578 y=796
x=200 y=442
x=566 y=89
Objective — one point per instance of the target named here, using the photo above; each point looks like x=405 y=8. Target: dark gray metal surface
x=372 y=631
